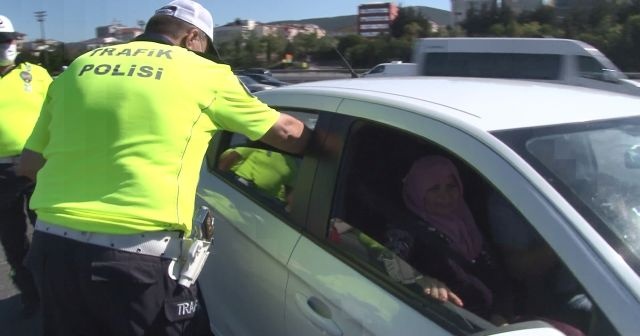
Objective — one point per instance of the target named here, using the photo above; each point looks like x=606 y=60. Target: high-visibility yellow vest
x=124 y=130
x=271 y=172
x=22 y=92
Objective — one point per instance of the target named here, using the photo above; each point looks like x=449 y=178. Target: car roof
x=489 y=104
x=504 y=44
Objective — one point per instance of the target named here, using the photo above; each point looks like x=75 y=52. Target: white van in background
x=562 y=61
x=392 y=69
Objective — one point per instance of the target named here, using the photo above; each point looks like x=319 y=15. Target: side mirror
x=529 y=328
x=632 y=157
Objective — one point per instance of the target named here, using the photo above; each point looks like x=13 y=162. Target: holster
x=195 y=250
x=192 y=260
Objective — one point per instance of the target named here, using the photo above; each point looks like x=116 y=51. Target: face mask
x=8 y=53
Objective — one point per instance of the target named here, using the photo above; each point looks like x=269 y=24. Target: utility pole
x=40 y=17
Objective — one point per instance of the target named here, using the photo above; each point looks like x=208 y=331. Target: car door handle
x=318 y=313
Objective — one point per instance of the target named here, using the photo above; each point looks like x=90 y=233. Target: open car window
x=512 y=275
x=267 y=175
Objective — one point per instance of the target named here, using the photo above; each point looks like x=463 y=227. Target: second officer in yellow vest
x=22 y=90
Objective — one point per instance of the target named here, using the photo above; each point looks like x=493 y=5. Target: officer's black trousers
x=92 y=290
x=14 y=219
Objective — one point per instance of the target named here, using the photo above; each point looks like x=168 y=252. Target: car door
x=332 y=291
x=244 y=279
x=336 y=288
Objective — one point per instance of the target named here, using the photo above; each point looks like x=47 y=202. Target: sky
x=76 y=20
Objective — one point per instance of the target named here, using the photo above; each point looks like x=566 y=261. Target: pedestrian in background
x=117 y=152
x=22 y=90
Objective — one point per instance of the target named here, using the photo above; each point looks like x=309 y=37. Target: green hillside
x=439 y=16
x=348 y=23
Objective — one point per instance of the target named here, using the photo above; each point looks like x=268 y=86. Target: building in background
x=234 y=30
x=118 y=31
x=242 y=29
x=112 y=34
x=376 y=18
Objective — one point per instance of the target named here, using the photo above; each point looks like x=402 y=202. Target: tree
x=530 y=29
x=478 y=22
x=347 y=42
x=410 y=23
x=304 y=45
x=630 y=43
x=451 y=31
x=273 y=45
x=325 y=50
x=543 y=15
x=378 y=50
x=55 y=58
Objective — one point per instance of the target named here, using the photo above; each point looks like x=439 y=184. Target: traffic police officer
x=23 y=88
x=117 y=151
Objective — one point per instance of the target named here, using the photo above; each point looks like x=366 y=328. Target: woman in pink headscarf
x=433 y=191
x=442 y=240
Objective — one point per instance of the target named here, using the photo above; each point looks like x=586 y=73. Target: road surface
x=11 y=323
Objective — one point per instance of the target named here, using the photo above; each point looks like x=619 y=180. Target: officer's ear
x=193 y=40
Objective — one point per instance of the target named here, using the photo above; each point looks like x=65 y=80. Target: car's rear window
x=492 y=65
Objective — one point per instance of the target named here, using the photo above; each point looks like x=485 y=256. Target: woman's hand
x=438 y=290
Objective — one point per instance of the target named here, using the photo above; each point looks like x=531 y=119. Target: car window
x=476 y=244
x=597 y=170
x=265 y=174
x=589 y=67
x=492 y=65
x=377 y=69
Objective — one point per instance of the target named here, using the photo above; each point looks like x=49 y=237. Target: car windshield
x=596 y=167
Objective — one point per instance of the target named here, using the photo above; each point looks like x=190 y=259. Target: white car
x=565 y=158
x=392 y=69
x=561 y=61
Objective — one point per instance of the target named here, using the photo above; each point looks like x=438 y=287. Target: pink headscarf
x=459 y=225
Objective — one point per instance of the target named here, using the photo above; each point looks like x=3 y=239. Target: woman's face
x=442 y=197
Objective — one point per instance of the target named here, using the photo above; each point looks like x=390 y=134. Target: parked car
x=299 y=255
x=264 y=79
x=562 y=61
x=392 y=69
x=252 y=85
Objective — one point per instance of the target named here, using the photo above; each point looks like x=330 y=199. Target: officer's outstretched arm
x=288 y=134
x=29 y=164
